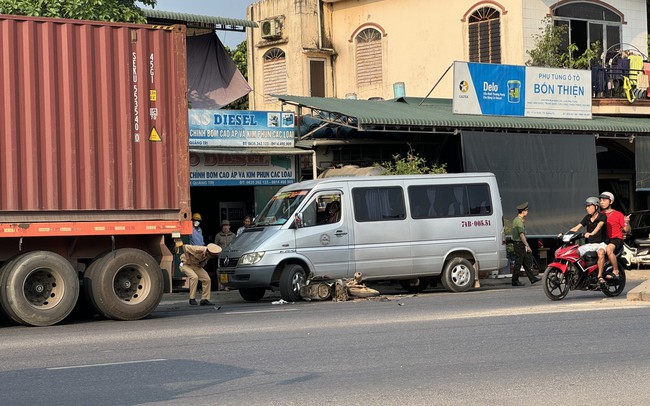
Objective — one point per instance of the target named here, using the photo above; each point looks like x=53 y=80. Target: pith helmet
x=197 y=217
x=214 y=249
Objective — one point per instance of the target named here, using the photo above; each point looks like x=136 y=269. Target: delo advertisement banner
x=241 y=170
x=241 y=128
x=507 y=90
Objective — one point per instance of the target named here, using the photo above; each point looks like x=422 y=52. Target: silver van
x=418 y=229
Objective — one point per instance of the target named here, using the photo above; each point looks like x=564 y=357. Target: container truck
x=94 y=166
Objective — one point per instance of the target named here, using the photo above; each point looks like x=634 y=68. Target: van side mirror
x=297 y=220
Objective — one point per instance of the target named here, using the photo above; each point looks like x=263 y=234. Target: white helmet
x=607 y=195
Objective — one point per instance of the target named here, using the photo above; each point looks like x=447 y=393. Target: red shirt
x=615 y=224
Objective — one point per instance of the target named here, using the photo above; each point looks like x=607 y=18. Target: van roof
x=310 y=184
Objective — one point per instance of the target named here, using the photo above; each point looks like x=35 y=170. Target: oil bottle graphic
x=514 y=87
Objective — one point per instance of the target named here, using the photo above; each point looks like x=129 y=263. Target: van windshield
x=280 y=208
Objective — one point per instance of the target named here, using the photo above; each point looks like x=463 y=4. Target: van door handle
x=340 y=233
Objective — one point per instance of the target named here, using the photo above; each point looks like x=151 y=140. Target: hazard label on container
x=154 y=136
x=152 y=95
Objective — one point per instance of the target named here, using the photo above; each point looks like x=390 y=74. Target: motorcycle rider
x=596 y=224
x=617 y=224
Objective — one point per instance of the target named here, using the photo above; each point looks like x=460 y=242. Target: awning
x=197 y=20
x=410 y=114
x=258 y=151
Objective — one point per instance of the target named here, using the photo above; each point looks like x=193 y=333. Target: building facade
x=381 y=49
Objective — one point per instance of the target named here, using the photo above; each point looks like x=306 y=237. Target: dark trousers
x=522 y=258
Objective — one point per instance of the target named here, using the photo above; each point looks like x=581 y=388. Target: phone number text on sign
x=476 y=223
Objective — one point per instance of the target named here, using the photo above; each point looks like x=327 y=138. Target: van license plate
x=223 y=278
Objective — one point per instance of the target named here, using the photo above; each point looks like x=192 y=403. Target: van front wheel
x=458 y=275
x=292 y=278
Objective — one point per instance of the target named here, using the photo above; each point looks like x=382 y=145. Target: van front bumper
x=246 y=277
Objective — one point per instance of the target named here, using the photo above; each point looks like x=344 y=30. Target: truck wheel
x=458 y=275
x=39 y=288
x=252 y=294
x=126 y=284
x=292 y=277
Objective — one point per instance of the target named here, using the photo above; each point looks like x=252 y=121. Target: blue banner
x=241 y=128
x=508 y=90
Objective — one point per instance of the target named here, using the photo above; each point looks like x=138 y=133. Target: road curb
x=640 y=293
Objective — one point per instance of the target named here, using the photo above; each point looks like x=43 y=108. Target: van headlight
x=251 y=258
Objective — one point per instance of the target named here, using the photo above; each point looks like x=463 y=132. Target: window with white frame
x=485 y=35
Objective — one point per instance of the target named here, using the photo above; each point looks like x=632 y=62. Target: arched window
x=368 y=57
x=588 y=23
x=275 y=74
x=485 y=35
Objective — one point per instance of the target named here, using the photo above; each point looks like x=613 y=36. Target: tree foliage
x=548 y=50
x=240 y=56
x=99 y=10
x=412 y=164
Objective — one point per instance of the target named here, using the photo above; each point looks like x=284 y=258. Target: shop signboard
x=508 y=90
x=241 y=128
x=241 y=170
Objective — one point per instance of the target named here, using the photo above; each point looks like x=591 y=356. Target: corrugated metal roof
x=197 y=18
x=432 y=114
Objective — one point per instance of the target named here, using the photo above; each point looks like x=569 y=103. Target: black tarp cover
x=554 y=173
x=642 y=158
x=212 y=76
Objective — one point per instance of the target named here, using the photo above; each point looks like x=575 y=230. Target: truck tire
x=252 y=294
x=292 y=277
x=126 y=284
x=39 y=288
x=458 y=275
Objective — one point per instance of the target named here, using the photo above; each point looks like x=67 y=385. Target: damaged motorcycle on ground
x=569 y=271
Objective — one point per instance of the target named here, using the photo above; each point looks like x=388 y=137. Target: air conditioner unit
x=271 y=28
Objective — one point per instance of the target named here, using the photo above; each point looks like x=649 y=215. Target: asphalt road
x=498 y=346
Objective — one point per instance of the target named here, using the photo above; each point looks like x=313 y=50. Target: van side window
x=323 y=209
x=435 y=201
x=480 y=202
x=378 y=204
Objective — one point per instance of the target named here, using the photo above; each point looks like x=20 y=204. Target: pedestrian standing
x=523 y=252
x=247 y=223
x=193 y=260
x=225 y=236
x=197 y=233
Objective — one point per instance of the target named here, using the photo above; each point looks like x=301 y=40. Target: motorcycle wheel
x=556 y=285
x=615 y=287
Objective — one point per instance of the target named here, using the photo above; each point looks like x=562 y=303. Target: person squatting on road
x=596 y=224
x=193 y=260
x=523 y=252
x=617 y=224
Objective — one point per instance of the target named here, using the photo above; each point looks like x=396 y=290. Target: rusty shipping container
x=94 y=166
x=93 y=121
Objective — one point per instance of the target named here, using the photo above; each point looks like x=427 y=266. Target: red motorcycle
x=570 y=271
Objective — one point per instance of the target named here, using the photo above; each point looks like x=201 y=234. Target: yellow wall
x=421 y=39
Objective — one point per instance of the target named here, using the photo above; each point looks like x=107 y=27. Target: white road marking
x=106 y=364
x=261 y=311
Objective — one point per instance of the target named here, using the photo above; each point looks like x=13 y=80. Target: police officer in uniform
x=523 y=254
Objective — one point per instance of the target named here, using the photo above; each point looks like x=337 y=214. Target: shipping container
x=94 y=165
